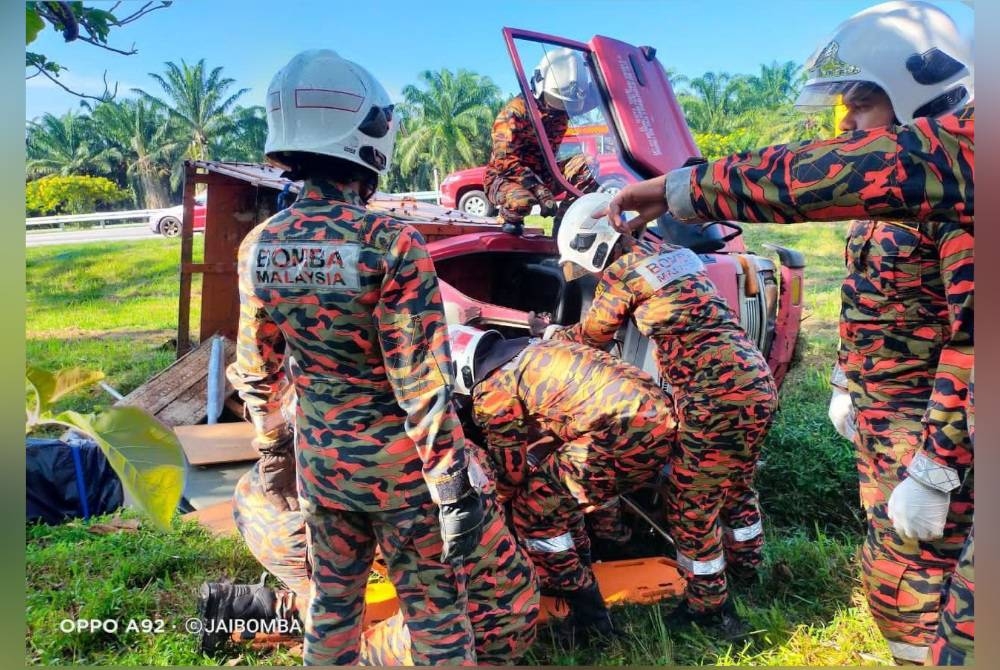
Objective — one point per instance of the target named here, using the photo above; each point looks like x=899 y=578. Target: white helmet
x=468 y=348
x=562 y=82
x=323 y=104
x=584 y=241
x=912 y=50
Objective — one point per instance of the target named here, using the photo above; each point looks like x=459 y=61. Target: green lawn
x=114 y=307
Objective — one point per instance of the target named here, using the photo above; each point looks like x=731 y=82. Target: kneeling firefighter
x=567 y=429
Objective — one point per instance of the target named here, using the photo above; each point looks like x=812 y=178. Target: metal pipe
x=216 y=384
x=645 y=517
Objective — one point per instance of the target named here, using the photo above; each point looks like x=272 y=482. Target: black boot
x=513 y=228
x=226 y=602
x=588 y=615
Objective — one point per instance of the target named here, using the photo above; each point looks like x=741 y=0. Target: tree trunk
x=154 y=190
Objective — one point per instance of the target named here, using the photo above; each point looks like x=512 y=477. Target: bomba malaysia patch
x=306 y=265
x=662 y=269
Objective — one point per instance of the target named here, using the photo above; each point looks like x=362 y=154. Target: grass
x=110 y=307
x=113 y=307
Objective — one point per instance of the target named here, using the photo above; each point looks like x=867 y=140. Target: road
x=139 y=231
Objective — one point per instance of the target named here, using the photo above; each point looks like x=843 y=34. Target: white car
x=167 y=222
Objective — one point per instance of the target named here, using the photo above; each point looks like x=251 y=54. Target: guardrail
x=419 y=195
x=61 y=220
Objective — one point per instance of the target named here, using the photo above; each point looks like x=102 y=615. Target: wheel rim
x=476 y=206
x=171 y=228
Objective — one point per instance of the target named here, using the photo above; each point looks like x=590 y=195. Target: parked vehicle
x=167 y=222
x=463 y=189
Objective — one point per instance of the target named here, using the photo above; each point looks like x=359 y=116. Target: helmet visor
x=377 y=122
x=821 y=96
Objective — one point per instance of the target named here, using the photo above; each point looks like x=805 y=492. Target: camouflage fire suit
x=503 y=591
x=906 y=325
x=725 y=398
x=569 y=428
x=351 y=298
x=517 y=175
x=923 y=172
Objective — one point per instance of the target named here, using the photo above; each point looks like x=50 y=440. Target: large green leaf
x=50 y=387
x=146 y=455
x=33 y=24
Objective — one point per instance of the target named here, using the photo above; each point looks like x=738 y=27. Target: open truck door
x=630 y=94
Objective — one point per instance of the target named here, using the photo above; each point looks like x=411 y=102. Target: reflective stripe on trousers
x=916 y=653
x=709 y=567
x=551 y=545
x=746 y=533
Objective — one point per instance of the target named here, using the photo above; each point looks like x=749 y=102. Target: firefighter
x=907 y=312
x=517 y=176
x=503 y=591
x=567 y=429
x=352 y=300
x=723 y=412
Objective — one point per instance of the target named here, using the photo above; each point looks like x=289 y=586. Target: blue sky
x=395 y=40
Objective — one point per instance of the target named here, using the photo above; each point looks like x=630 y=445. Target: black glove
x=461 y=526
x=276 y=468
x=548 y=207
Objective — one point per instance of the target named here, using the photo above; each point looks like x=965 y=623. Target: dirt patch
x=150 y=336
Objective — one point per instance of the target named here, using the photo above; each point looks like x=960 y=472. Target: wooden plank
x=177 y=395
x=211 y=444
x=217 y=518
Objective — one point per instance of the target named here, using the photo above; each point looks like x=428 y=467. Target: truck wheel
x=170 y=226
x=476 y=204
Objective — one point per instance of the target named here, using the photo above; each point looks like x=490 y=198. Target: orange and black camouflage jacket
x=516 y=155
x=702 y=350
x=924 y=171
x=907 y=314
x=352 y=298
x=570 y=396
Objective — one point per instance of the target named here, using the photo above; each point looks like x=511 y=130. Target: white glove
x=550 y=330
x=842 y=414
x=918 y=511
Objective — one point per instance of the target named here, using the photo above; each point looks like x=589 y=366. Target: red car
x=463 y=189
x=167 y=222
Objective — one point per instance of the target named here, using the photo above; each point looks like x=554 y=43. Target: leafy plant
x=144 y=453
x=74 y=194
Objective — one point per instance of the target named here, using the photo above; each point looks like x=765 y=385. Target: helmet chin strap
x=367 y=188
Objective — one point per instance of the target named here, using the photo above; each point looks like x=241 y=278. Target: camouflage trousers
x=712 y=509
x=954 y=643
x=903 y=579
x=585 y=475
x=503 y=599
x=515 y=201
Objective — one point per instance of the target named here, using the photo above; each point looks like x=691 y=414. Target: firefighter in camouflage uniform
x=351 y=299
x=724 y=392
x=907 y=315
x=517 y=175
x=503 y=591
x=567 y=429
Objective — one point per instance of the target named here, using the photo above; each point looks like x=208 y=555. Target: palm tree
x=776 y=85
x=714 y=102
x=447 y=122
x=64 y=145
x=197 y=101
x=148 y=144
x=245 y=138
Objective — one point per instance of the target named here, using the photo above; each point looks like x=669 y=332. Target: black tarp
x=57 y=471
